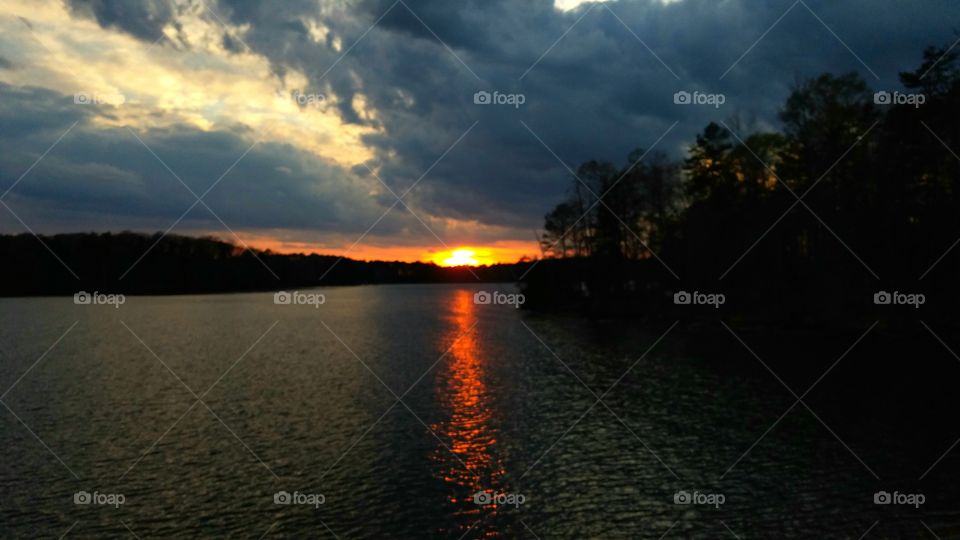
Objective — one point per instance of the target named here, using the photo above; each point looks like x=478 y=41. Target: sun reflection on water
x=468 y=429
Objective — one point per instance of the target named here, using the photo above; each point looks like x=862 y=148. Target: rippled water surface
x=397 y=404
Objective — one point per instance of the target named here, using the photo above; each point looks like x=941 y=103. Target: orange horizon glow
x=503 y=251
x=464 y=256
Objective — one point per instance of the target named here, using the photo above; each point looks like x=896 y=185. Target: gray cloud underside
x=108 y=174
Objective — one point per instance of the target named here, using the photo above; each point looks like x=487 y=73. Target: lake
x=411 y=411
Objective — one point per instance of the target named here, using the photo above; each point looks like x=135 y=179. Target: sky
x=392 y=129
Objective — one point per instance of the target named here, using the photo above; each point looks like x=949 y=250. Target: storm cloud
x=596 y=82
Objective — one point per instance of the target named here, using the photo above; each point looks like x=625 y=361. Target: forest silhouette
x=134 y=263
x=856 y=195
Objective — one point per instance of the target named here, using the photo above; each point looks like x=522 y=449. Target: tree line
x=135 y=263
x=857 y=192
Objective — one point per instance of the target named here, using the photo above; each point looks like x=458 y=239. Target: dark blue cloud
x=602 y=90
x=101 y=175
x=144 y=19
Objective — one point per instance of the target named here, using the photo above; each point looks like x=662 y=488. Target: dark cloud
x=98 y=175
x=597 y=93
x=466 y=24
x=232 y=44
x=31 y=111
x=602 y=90
x=144 y=19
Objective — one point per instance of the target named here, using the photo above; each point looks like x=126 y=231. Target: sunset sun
x=464 y=256
x=460 y=257
x=474 y=255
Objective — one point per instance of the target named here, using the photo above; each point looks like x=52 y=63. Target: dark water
x=305 y=400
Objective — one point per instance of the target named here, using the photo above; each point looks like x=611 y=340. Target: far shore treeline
x=111 y=263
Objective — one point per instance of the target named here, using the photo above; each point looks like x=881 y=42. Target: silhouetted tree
x=878 y=183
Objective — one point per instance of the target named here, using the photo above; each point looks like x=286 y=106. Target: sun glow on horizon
x=460 y=257
x=501 y=251
x=464 y=256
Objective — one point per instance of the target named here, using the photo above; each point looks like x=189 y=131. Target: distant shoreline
x=161 y=265
x=266 y=291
